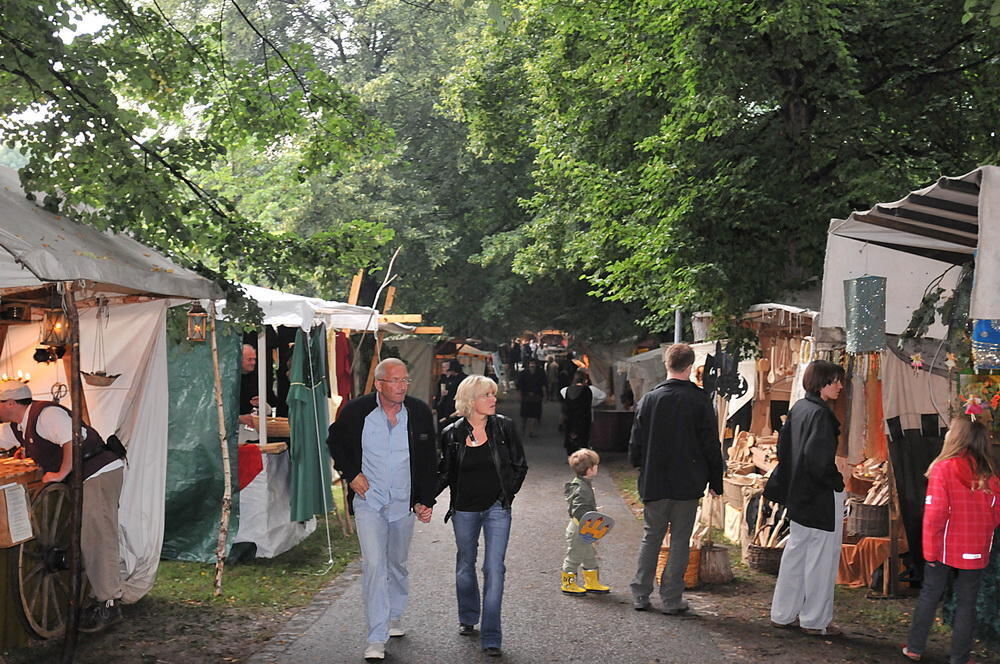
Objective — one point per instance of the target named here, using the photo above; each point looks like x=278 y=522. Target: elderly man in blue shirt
x=384 y=447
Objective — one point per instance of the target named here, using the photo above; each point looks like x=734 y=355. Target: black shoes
x=98 y=617
x=466 y=630
x=492 y=651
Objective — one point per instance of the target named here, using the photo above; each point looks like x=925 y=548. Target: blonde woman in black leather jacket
x=483 y=464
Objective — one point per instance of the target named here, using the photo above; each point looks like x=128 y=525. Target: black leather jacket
x=505 y=447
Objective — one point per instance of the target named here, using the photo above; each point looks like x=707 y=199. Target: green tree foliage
x=146 y=127
x=441 y=201
x=692 y=153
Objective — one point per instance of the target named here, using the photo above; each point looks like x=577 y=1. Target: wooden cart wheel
x=40 y=567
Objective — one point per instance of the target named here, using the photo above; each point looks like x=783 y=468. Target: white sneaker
x=375 y=651
x=396 y=628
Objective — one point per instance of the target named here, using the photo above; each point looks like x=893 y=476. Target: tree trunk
x=227 y=491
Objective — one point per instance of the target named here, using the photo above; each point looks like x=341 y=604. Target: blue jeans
x=495 y=526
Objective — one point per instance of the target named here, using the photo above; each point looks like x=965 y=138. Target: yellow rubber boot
x=569 y=585
x=592 y=582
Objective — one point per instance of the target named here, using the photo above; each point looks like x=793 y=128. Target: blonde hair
x=469 y=390
x=965 y=437
x=583 y=460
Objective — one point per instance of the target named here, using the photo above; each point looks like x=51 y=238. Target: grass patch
x=287 y=581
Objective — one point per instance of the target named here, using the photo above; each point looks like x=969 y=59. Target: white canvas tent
x=38 y=248
x=915 y=240
x=265 y=503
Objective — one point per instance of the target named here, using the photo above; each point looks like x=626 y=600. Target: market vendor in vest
x=43 y=430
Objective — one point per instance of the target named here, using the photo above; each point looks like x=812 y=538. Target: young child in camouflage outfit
x=579 y=552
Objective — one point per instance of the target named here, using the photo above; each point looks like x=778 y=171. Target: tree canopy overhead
x=690 y=154
x=526 y=154
x=132 y=125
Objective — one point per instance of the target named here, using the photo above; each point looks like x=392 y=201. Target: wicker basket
x=868 y=520
x=691 y=577
x=765 y=559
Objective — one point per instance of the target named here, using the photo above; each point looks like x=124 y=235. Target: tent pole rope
x=322 y=454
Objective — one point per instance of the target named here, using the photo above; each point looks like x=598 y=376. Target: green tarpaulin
x=194 y=461
x=308 y=417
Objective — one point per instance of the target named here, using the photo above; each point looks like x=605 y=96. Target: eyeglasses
x=396 y=381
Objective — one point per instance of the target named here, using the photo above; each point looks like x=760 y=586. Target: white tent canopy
x=300 y=311
x=913 y=241
x=39 y=247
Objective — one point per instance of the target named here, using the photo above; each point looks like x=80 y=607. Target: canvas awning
x=915 y=240
x=39 y=247
x=303 y=312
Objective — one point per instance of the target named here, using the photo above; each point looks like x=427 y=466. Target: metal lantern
x=55 y=324
x=864 y=306
x=197 y=323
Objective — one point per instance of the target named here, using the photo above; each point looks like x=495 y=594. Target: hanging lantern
x=197 y=323
x=864 y=300
x=55 y=325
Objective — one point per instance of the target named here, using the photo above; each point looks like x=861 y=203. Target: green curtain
x=308 y=419
x=194 y=464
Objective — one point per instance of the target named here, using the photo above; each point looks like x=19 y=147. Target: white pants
x=808 y=573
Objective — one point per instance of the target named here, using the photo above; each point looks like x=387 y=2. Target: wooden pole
x=75 y=480
x=227 y=484
x=890 y=581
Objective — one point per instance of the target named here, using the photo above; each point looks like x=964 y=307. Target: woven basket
x=764 y=559
x=691 y=577
x=868 y=520
x=277 y=427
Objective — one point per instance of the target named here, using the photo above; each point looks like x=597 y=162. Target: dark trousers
x=966 y=586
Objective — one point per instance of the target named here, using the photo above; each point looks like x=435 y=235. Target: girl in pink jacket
x=961 y=511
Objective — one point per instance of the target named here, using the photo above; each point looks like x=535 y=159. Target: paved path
x=540 y=623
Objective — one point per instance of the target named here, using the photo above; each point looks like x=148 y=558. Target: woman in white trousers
x=808 y=482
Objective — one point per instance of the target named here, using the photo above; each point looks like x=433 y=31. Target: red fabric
x=250 y=463
x=343 y=367
x=958 y=520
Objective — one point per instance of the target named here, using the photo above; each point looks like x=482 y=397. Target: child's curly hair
x=583 y=460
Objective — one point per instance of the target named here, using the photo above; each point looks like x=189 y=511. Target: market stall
x=926 y=266
x=282 y=484
x=110 y=291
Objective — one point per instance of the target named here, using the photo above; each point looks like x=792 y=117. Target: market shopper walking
x=811 y=487
x=676 y=447
x=578 y=401
x=961 y=513
x=383 y=446
x=531 y=385
x=484 y=465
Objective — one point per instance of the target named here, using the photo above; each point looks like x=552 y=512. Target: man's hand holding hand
x=359 y=485
x=423 y=512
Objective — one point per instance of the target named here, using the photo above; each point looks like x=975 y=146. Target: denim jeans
x=495 y=526
x=966 y=586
